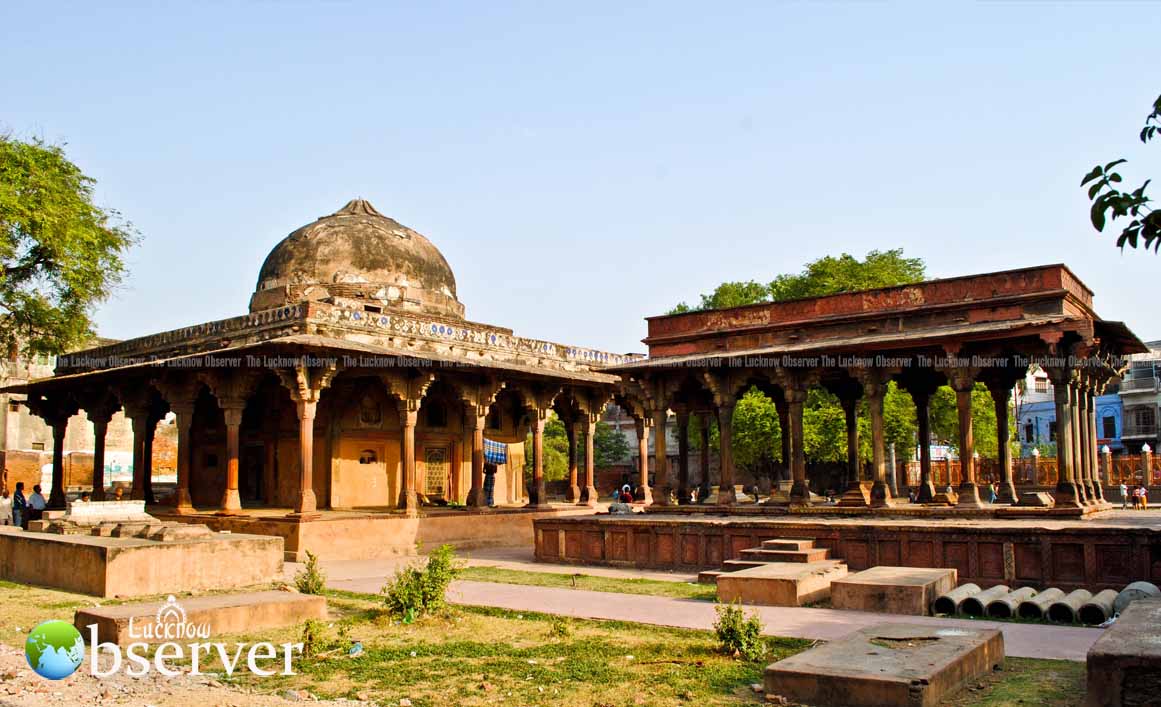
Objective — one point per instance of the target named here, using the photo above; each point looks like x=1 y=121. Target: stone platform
x=892 y=590
x=912 y=666
x=218 y=614
x=780 y=583
x=379 y=534
x=138 y=559
x=1124 y=665
x=1103 y=552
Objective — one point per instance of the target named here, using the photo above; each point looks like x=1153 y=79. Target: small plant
x=738 y=634
x=416 y=591
x=311 y=637
x=559 y=628
x=310 y=579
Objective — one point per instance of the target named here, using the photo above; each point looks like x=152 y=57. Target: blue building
x=1037 y=423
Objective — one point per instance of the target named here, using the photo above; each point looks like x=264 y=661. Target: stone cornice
x=407 y=330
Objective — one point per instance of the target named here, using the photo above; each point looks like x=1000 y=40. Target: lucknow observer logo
x=54 y=649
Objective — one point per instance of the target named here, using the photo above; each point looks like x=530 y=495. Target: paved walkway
x=1020 y=640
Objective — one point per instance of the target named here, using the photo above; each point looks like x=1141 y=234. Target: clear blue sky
x=585 y=165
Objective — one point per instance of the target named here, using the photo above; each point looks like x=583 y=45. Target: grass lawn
x=653 y=587
x=479 y=656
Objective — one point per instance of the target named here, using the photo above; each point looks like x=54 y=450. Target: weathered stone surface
x=222 y=614
x=916 y=666
x=780 y=583
x=132 y=566
x=892 y=590
x=1124 y=665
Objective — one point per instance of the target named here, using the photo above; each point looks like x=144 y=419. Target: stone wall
x=1080 y=555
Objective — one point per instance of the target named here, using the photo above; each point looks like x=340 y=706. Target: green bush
x=310 y=579
x=739 y=635
x=419 y=590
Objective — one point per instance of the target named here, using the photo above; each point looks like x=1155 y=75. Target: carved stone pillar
x=1079 y=472
x=1094 y=435
x=232 y=412
x=306 y=384
x=55 y=411
x=962 y=382
x=784 y=429
x=855 y=495
x=183 y=410
x=682 y=457
x=660 y=461
x=589 y=492
x=704 y=419
x=138 y=420
x=922 y=398
x=875 y=392
x=726 y=495
x=408 y=497
x=643 y=493
x=800 y=490
x=477 y=421
x=100 y=412
x=1000 y=391
x=573 y=494
x=540 y=491
x=1066 y=491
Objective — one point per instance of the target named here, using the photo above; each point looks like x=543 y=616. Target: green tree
x=945 y=420
x=846 y=273
x=609 y=446
x=60 y=254
x=555 y=451
x=1109 y=203
x=757 y=434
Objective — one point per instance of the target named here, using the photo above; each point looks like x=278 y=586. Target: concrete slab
x=216 y=615
x=892 y=590
x=899 y=664
x=780 y=583
x=1124 y=665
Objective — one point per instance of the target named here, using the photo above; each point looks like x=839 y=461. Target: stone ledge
x=222 y=614
x=892 y=590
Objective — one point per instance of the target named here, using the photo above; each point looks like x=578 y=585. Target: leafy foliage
x=418 y=591
x=310 y=579
x=60 y=254
x=738 y=634
x=609 y=447
x=757 y=434
x=945 y=420
x=1110 y=203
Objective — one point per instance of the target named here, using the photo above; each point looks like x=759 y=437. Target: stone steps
x=788 y=544
x=816 y=554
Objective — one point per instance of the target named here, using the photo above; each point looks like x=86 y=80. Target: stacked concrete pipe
x=950 y=602
x=1005 y=607
x=1133 y=592
x=1035 y=607
x=976 y=605
x=1098 y=609
x=1066 y=609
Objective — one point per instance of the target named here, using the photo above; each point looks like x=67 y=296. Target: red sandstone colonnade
x=960 y=331
x=220 y=409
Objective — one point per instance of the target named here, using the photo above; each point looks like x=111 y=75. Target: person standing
x=1124 y=496
x=36 y=504
x=5 y=507
x=19 y=506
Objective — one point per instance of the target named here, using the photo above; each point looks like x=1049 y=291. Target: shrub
x=416 y=591
x=739 y=635
x=311 y=637
x=310 y=579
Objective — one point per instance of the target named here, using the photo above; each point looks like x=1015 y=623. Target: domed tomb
x=357 y=257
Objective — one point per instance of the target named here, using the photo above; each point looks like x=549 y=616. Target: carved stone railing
x=308 y=317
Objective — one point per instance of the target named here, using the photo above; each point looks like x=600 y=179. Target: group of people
x=1139 y=496
x=17 y=509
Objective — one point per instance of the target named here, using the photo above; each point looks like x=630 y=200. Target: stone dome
x=357 y=257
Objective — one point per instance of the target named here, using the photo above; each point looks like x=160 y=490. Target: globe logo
x=54 y=649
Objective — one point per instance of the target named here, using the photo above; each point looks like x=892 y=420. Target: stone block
x=39 y=526
x=53 y=515
x=1036 y=499
x=780 y=583
x=171 y=533
x=1124 y=665
x=219 y=614
x=892 y=590
x=94 y=512
x=128 y=530
x=912 y=666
